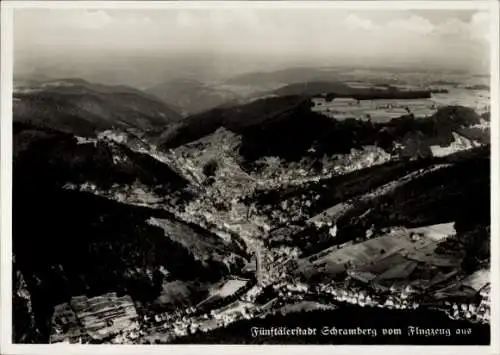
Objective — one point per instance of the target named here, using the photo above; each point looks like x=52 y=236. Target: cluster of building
x=160 y=318
x=289 y=290
x=278 y=174
x=128 y=337
x=399 y=298
x=472 y=311
x=469 y=311
x=98 y=318
x=396 y=300
x=169 y=324
x=219 y=317
x=252 y=294
x=358 y=159
x=188 y=322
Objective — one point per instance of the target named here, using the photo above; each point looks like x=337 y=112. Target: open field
x=479 y=100
x=478 y=279
x=376 y=110
x=394 y=266
x=427 y=255
x=391 y=256
x=386 y=109
x=228 y=288
x=435 y=232
x=364 y=252
x=105 y=315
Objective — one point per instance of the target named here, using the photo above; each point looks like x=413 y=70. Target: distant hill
x=191 y=96
x=284 y=126
x=83 y=108
x=285 y=76
x=239 y=119
x=338 y=89
x=313 y=88
x=477 y=87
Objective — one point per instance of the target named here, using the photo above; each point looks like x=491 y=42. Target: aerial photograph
x=251 y=175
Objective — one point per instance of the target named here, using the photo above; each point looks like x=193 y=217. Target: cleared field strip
x=363 y=253
x=392 y=256
x=335 y=212
x=478 y=279
x=98 y=317
x=105 y=315
x=435 y=232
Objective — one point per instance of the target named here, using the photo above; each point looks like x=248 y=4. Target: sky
x=247 y=39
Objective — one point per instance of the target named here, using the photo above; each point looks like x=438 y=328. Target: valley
x=172 y=224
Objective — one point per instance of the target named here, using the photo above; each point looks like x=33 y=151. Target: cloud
x=354 y=22
x=480 y=26
x=401 y=26
x=414 y=24
x=291 y=32
x=477 y=29
x=66 y=19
